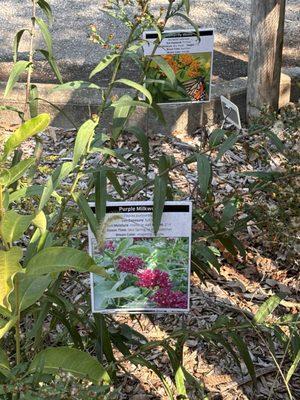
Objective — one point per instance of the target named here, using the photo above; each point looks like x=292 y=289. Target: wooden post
x=265 y=55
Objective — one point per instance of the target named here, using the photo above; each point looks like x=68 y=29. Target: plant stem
x=17 y=325
x=31 y=53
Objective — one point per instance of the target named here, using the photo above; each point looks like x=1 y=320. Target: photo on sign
x=188 y=58
x=143 y=273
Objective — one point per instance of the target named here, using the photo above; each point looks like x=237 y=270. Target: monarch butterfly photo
x=192 y=72
x=196 y=89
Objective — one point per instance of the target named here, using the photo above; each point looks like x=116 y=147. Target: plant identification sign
x=144 y=272
x=181 y=66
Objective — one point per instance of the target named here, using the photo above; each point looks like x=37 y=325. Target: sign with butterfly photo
x=181 y=65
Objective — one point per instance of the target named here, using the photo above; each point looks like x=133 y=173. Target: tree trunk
x=265 y=55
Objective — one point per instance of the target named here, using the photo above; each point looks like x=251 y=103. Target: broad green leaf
x=16 y=42
x=52 y=62
x=130 y=103
x=86 y=211
x=293 y=367
x=18 y=68
x=143 y=142
x=204 y=173
x=31 y=289
x=103 y=64
x=10 y=265
x=35 y=190
x=267 y=308
x=54 y=181
x=16 y=172
x=121 y=114
x=101 y=194
x=4 y=363
x=216 y=137
x=138 y=87
x=45 y=7
x=33 y=101
x=76 y=362
x=46 y=34
x=74 y=85
x=227 y=145
x=123 y=246
x=229 y=212
x=83 y=138
x=25 y=131
x=13 y=225
x=58 y=259
x=244 y=353
x=40 y=221
x=275 y=140
x=165 y=67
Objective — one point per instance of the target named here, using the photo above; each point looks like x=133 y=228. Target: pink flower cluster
x=167 y=298
x=109 y=245
x=152 y=278
x=130 y=264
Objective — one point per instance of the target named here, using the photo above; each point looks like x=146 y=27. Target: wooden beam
x=265 y=55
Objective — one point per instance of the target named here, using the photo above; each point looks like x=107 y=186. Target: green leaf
x=76 y=362
x=228 y=212
x=275 y=140
x=143 y=142
x=46 y=34
x=54 y=181
x=190 y=21
x=159 y=197
x=40 y=221
x=100 y=193
x=9 y=261
x=31 y=289
x=216 y=137
x=207 y=255
x=58 y=259
x=7 y=327
x=114 y=181
x=25 y=131
x=16 y=42
x=13 y=225
x=244 y=353
x=83 y=138
x=35 y=190
x=86 y=211
x=293 y=367
x=16 y=172
x=267 y=308
x=120 y=116
x=204 y=173
x=45 y=7
x=4 y=364
x=74 y=85
x=103 y=64
x=187 y=5
x=18 y=68
x=33 y=101
x=227 y=145
x=53 y=64
x=137 y=86
x=165 y=67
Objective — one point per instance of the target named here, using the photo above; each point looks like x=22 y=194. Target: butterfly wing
x=195 y=88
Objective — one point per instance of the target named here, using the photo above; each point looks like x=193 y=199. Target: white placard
x=190 y=59
x=231 y=112
x=145 y=273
